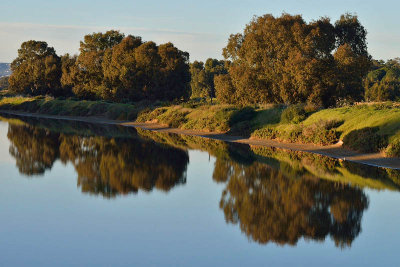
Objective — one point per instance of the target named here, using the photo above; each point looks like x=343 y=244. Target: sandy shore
x=334 y=151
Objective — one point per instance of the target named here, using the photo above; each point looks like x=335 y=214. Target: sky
x=198 y=27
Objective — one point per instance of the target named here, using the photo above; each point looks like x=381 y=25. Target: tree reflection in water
x=106 y=166
x=34 y=149
x=280 y=201
x=270 y=206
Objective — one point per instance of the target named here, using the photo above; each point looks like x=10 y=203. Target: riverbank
x=334 y=151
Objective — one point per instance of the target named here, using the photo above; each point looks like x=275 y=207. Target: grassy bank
x=364 y=128
x=68 y=107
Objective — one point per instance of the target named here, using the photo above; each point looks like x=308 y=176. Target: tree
x=36 y=70
x=287 y=60
x=135 y=71
x=350 y=31
x=199 y=82
x=175 y=75
x=350 y=70
x=120 y=71
x=383 y=82
x=4 y=83
x=70 y=73
x=225 y=92
x=202 y=77
x=90 y=60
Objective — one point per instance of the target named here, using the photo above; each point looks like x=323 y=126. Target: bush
x=292 y=133
x=241 y=115
x=147 y=114
x=393 y=149
x=174 y=118
x=365 y=140
x=294 y=114
x=265 y=133
x=321 y=132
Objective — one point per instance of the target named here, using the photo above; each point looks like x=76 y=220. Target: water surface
x=85 y=194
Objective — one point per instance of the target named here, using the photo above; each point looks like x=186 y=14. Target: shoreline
x=334 y=151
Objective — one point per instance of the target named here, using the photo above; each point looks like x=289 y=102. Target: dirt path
x=334 y=151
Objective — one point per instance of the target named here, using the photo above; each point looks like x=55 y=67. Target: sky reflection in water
x=74 y=193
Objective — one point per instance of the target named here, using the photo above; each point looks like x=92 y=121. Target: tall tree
x=90 y=59
x=202 y=81
x=199 y=82
x=70 y=73
x=120 y=71
x=175 y=75
x=36 y=70
x=383 y=82
x=287 y=60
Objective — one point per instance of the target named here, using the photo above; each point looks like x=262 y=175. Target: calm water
x=82 y=194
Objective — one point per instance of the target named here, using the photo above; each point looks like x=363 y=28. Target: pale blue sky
x=199 y=27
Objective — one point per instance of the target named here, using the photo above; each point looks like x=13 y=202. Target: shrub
x=244 y=114
x=294 y=114
x=393 y=149
x=365 y=140
x=321 y=132
x=174 y=118
x=265 y=133
x=292 y=133
x=147 y=114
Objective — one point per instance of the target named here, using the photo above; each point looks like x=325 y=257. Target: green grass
x=351 y=124
x=68 y=107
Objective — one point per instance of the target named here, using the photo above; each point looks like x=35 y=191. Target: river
x=80 y=194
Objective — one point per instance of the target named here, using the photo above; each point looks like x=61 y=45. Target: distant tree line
x=109 y=66
x=275 y=60
x=383 y=82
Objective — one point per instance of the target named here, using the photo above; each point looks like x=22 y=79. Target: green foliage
x=51 y=106
x=267 y=132
x=110 y=67
x=225 y=92
x=36 y=70
x=321 y=132
x=202 y=77
x=4 y=83
x=294 y=114
x=287 y=60
x=393 y=149
x=243 y=114
x=383 y=83
x=365 y=140
x=173 y=118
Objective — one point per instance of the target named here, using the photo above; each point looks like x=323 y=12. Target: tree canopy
x=287 y=60
x=109 y=66
x=36 y=70
x=383 y=83
x=202 y=77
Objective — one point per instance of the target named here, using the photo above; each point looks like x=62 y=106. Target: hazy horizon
x=200 y=28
